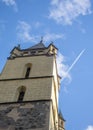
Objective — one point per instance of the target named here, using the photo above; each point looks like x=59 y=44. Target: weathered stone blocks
x=24 y=116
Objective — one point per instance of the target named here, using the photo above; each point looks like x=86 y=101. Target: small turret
x=61 y=122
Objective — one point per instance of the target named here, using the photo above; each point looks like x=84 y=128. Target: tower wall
x=36 y=89
x=38 y=85
x=25 y=116
x=37 y=75
x=16 y=68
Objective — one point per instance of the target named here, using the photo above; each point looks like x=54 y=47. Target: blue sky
x=69 y=24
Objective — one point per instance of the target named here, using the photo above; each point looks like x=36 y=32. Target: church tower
x=29 y=85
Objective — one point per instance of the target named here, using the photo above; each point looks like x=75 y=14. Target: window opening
x=21 y=96
x=27 y=72
x=33 y=52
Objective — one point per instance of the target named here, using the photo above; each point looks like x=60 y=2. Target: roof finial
x=18 y=46
x=41 y=39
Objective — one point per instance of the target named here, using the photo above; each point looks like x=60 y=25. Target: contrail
x=75 y=61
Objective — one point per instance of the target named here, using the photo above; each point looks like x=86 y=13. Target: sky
x=69 y=25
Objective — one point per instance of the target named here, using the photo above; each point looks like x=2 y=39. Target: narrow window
x=27 y=72
x=21 y=94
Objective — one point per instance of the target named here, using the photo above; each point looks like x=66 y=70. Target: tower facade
x=29 y=85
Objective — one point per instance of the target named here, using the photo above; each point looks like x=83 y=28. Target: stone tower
x=29 y=85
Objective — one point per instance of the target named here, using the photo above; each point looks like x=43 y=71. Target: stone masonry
x=24 y=116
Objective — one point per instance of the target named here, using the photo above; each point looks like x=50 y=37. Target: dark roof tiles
x=37 y=46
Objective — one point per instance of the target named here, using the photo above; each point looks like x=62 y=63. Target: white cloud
x=62 y=68
x=11 y=3
x=81 y=28
x=65 y=11
x=37 y=24
x=53 y=36
x=24 y=34
x=90 y=127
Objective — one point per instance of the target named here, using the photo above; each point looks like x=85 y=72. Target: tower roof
x=37 y=46
x=38 y=49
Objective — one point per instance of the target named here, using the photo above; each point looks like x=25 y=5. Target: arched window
x=27 y=72
x=28 y=69
x=21 y=94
